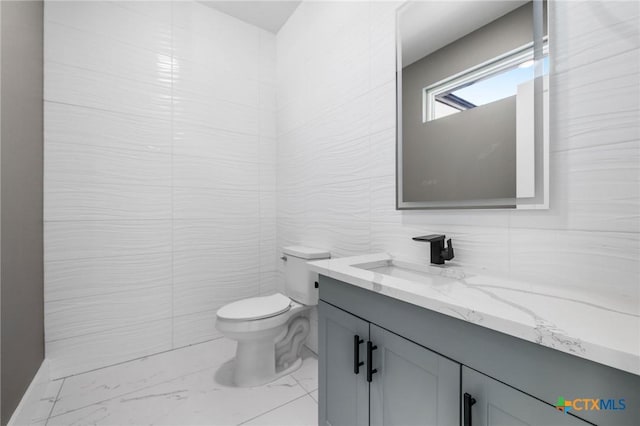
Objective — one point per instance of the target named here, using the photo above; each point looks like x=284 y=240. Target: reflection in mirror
x=499 y=79
x=472 y=98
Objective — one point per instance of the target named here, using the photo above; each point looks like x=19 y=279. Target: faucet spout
x=430 y=238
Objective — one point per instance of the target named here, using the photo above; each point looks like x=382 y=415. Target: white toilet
x=271 y=330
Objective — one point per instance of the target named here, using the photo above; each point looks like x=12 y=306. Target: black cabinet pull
x=356 y=354
x=468 y=402
x=370 y=370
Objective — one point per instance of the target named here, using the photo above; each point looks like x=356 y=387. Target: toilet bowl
x=256 y=336
x=270 y=330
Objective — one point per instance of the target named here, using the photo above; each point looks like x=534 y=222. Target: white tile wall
x=336 y=149
x=159 y=176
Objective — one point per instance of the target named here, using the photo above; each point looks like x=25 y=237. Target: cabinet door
x=344 y=395
x=497 y=404
x=412 y=385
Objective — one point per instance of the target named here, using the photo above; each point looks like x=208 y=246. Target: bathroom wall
x=336 y=151
x=22 y=334
x=159 y=176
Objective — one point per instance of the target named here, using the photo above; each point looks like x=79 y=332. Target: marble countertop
x=591 y=326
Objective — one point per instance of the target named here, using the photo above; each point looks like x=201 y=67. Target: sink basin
x=412 y=272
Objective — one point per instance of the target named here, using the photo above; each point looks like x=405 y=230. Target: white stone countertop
x=593 y=326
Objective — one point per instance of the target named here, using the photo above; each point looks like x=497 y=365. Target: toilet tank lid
x=306 y=252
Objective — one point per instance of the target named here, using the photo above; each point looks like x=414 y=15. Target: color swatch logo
x=589 y=404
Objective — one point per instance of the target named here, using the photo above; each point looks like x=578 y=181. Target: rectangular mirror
x=472 y=100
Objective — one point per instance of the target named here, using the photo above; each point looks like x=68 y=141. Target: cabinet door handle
x=356 y=354
x=370 y=370
x=468 y=402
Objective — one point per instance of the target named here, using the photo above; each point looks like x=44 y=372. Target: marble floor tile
x=110 y=382
x=36 y=410
x=202 y=398
x=188 y=386
x=47 y=401
x=307 y=374
x=300 y=412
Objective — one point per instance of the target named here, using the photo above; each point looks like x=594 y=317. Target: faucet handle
x=447 y=254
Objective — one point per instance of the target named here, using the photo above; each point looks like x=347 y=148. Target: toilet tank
x=299 y=280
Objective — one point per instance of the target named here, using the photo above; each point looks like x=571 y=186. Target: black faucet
x=438 y=253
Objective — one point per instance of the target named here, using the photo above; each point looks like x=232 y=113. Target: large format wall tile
x=202 y=172
x=96 y=239
x=208 y=203
x=71 y=124
x=231 y=47
x=589 y=31
x=603 y=190
x=342 y=200
x=77 y=278
x=97 y=164
x=78 y=200
x=112 y=20
x=160 y=176
x=218 y=114
x=207 y=142
x=212 y=293
x=197 y=81
x=95 y=52
x=599 y=262
x=77 y=86
x=194 y=328
x=213 y=266
x=87 y=315
x=222 y=235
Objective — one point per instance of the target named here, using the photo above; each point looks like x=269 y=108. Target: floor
x=188 y=386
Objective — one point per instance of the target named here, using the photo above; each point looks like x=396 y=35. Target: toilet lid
x=255 y=308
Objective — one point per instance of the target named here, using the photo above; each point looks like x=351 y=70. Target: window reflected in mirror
x=500 y=78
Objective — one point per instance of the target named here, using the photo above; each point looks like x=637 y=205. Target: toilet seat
x=255 y=308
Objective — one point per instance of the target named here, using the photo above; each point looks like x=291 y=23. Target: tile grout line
x=303 y=388
x=161 y=383
x=139 y=358
x=128 y=393
x=275 y=408
x=55 y=401
x=172 y=181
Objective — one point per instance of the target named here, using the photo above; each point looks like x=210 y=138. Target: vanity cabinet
x=369 y=375
x=496 y=404
x=345 y=392
x=412 y=385
x=427 y=368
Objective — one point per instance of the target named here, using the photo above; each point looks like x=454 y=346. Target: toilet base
x=242 y=380
x=255 y=362
x=277 y=353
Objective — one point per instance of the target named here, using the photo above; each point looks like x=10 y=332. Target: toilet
x=271 y=330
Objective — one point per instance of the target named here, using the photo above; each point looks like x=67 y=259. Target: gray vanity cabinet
x=344 y=395
x=496 y=404
x=429 y=364
x=412 y=385
x=407 y=384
